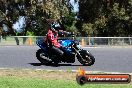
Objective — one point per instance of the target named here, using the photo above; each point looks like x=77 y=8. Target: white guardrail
x=84 y=41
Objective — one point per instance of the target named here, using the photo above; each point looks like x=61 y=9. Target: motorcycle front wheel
x=86 y=59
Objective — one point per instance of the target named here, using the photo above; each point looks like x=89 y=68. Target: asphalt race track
x=107 y=59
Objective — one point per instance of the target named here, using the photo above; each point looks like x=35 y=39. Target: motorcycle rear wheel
x=41 y=57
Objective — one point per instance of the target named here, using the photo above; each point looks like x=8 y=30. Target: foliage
x=95 y=17
x=36 y=13
x=112 y=18
x=69 y=22
x=88 y=27
x=29 y=33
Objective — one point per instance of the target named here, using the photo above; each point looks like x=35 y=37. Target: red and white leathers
x=53 y=37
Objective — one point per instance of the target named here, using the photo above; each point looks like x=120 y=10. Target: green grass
x=18 y=82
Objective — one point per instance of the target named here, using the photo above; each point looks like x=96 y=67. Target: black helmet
x=55 y=26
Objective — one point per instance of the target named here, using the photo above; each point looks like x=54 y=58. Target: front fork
x=77 y=51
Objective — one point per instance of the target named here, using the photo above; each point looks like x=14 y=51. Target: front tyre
x=42 y=57
x=87 y=59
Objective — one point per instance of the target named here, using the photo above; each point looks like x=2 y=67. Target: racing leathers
x=52 y=41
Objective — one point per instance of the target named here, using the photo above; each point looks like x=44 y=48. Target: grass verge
x=46 y=79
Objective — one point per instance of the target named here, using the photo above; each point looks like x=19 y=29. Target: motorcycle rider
x=52 y=39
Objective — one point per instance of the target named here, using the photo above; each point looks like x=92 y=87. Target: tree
x=108 y=17
x=36 y=13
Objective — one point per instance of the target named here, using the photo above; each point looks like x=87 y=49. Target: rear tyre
x=88 y=58
x=41 y=56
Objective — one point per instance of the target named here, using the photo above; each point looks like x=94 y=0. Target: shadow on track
x=52 y=65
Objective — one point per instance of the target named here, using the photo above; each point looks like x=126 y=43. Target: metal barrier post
x=89 y=41
x=0 y=38
x=130 y=41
